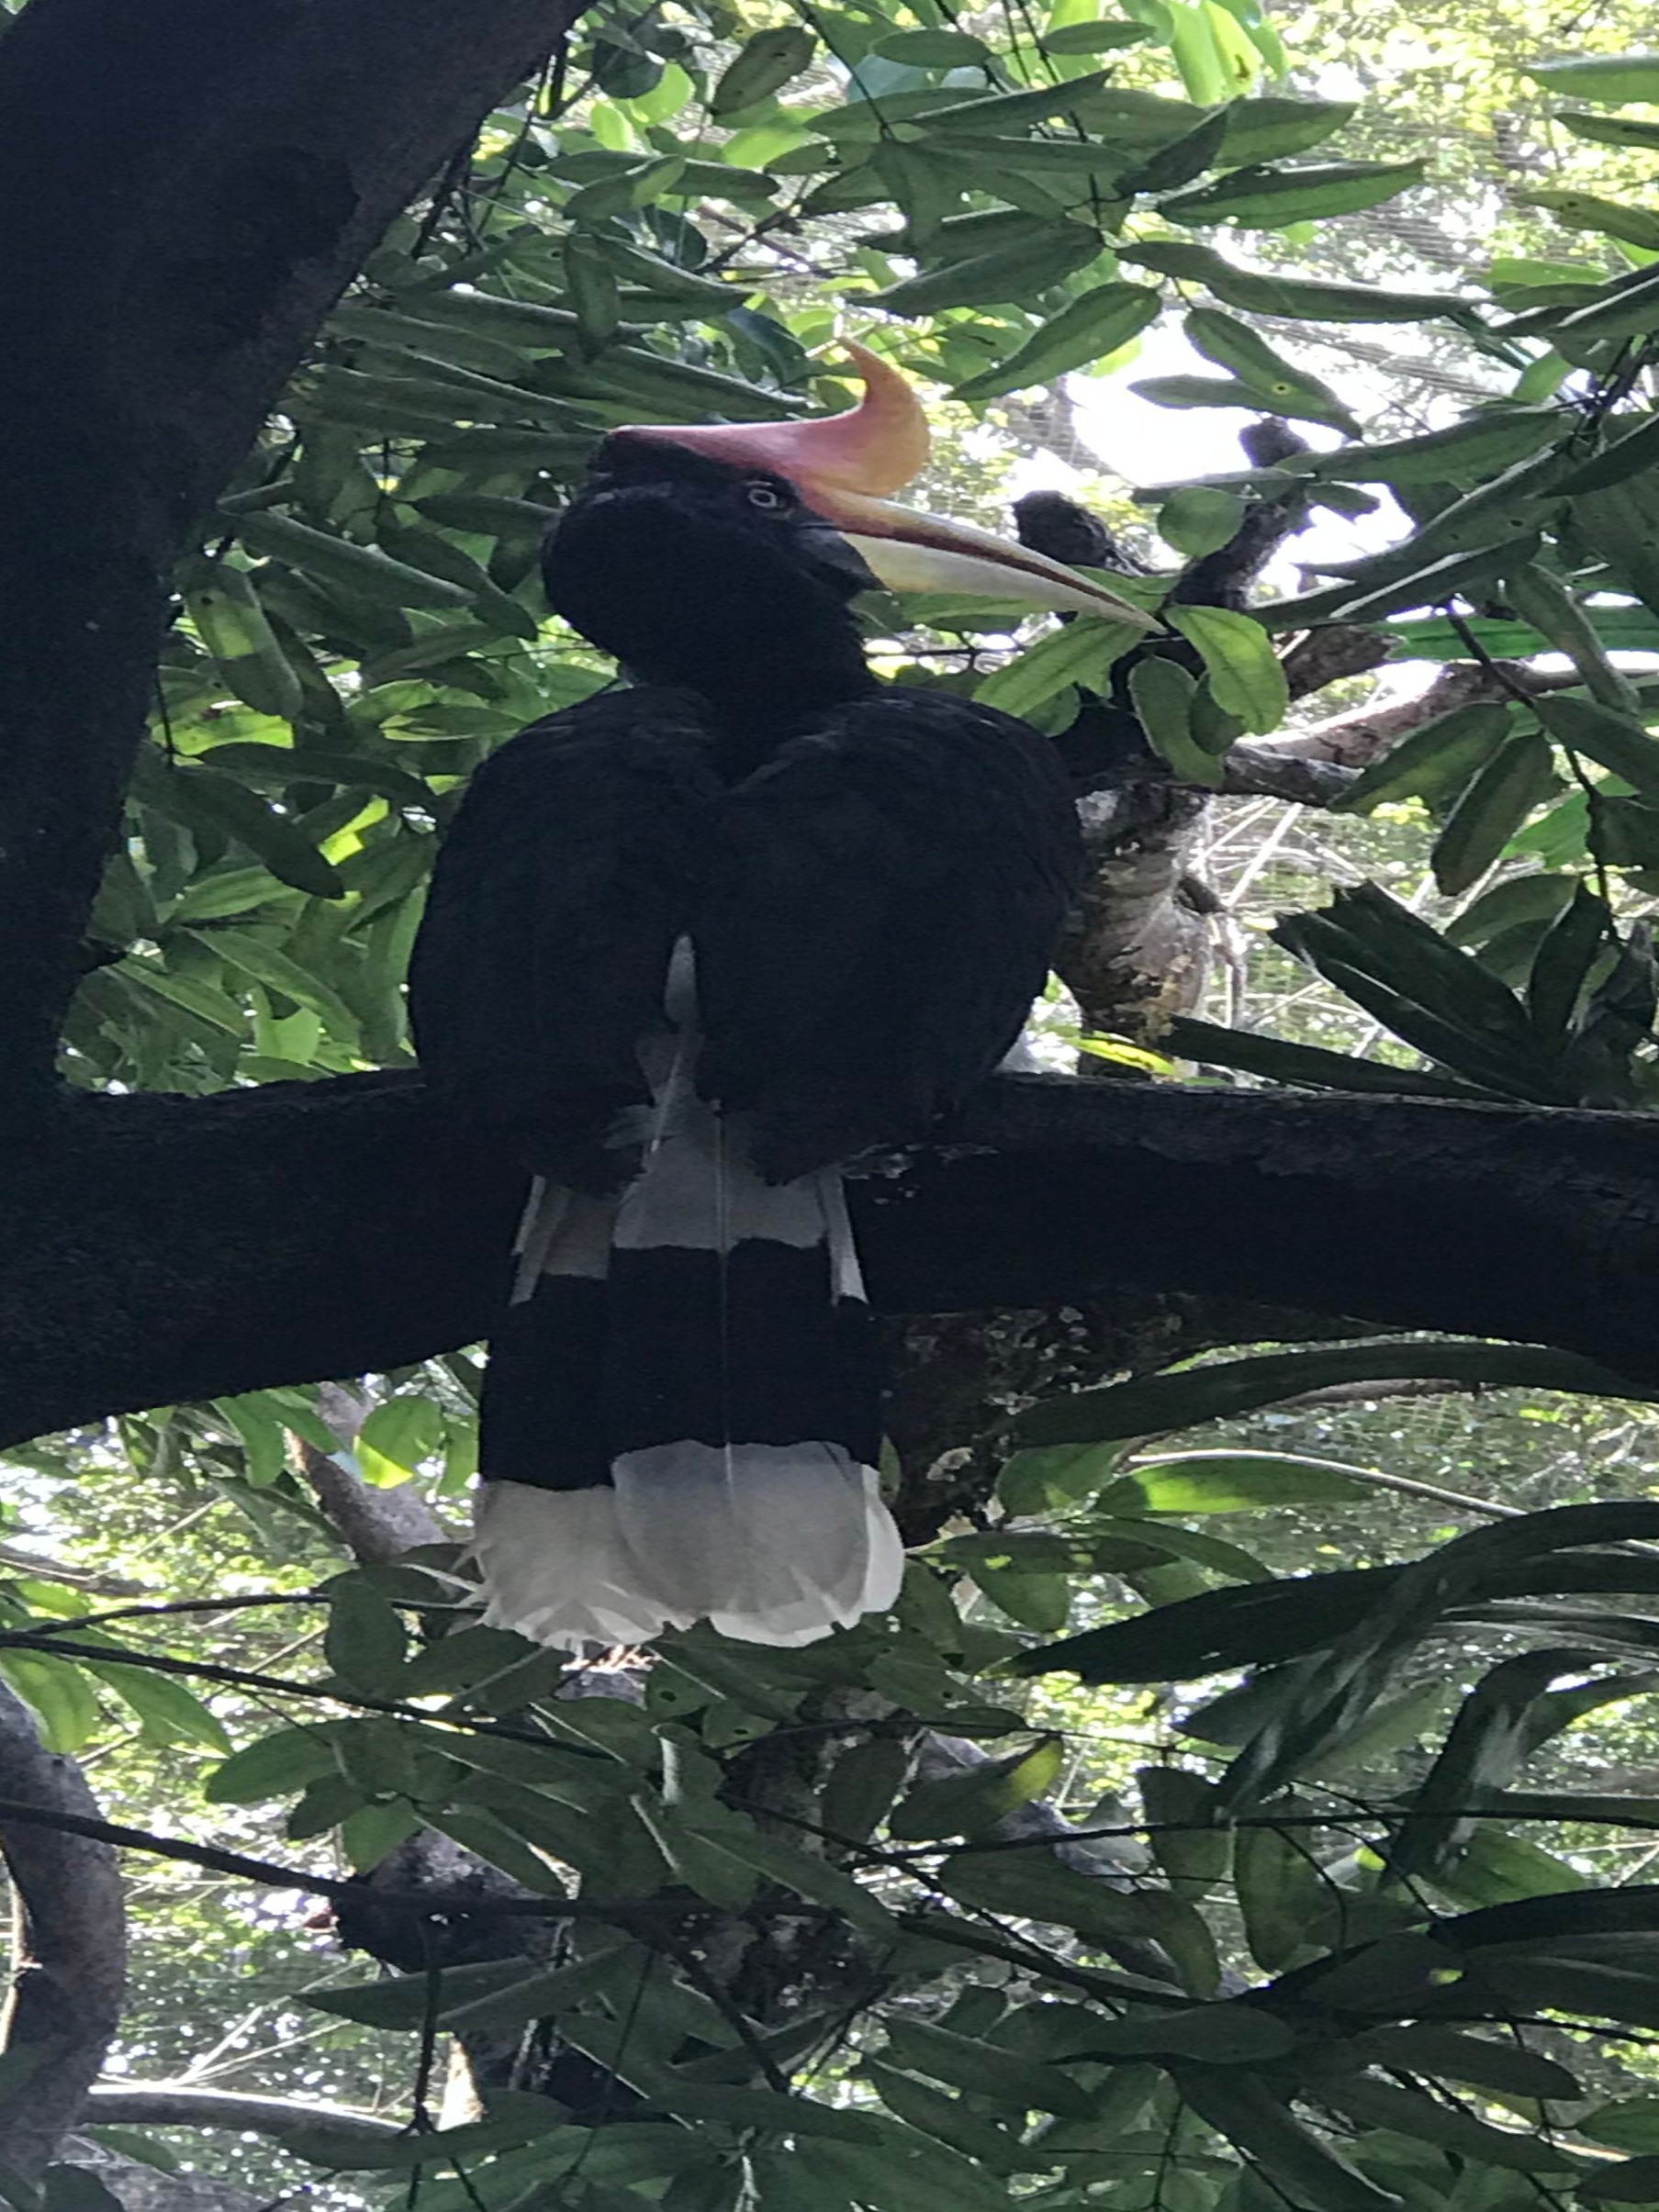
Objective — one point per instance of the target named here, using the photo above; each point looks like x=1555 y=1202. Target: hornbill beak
x=842 y=466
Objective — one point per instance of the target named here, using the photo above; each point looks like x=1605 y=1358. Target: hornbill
x=689 y=945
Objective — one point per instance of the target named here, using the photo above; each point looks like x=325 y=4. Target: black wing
x=556 y=900
x=876 y=912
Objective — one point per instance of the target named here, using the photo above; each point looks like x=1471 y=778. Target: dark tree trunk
x=186 y=186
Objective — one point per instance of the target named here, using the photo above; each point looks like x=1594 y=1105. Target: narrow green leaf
x=1612 y=77
x=1245 y=2110
x=1608 y=218
x=361 y=568
x=770 y=58
x=985 y=2070
x=1435 y=762
x=1233 y=345
x=1617 y=741
x=934 y=49
x=253 y=957
x=1155 y=1404
x=1005 y=274
x=1079 y=653
x=968 y=1804
x=1274 y=198
x=1095 y=324
x=1519 y=776
x=202 y=796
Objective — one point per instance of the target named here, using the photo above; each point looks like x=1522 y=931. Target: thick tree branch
x=69 y=1964
x=246 y=156
x=169 y=1248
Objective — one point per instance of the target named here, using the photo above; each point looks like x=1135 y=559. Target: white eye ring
x=768 y=496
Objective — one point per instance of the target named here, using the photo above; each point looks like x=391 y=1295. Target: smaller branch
x=69 y=1966
x=183 y=2105
x=1267 y=772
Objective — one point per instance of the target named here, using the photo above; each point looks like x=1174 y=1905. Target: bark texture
x=69 y=1951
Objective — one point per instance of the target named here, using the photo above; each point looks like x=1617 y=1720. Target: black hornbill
x=689 y=945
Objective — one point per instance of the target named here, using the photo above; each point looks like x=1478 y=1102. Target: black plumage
x=864 y=884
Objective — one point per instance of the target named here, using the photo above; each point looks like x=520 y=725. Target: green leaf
x=1609 y=131
x=998 y=111
x=985 y=2070
x=1079 y=653
x=1239 y=660
x=768 y=60
x=1562 y=964
x=1198 y=520
x=1519 y=776
x=1092 y=38
x=1163 y=693
x=397 y=1436
x=1270 y=129
x=202 y=796
x=934 y=49
x=231 y=623
x=478 y=1829
x=58 y=1694
x=1468 y=452
x=273 y=1766
x=253 y=957
x=1032 y=1884
x=1007 y=274
x=364 y=569
x=1436 y=761
x=168 y=1712
x=366 y=1642
x=1630 y=2124
x=1259 y=292
x=1292 y=390
x=1245 y=2110
x=1503 y=2067
x=1621 y=523
x=1617 y=741
x=1310 y=1065
x=1230 y=1480
x=1097 y=323
x=862 y=1784
x=951 y=2120
x=1614 y=77
x=1272 y=199
x=1634 y=2181
x=1192 y=1847
x=373 y=1830
x=967 y=1805
x=1608 y=218
x=1155 y=1404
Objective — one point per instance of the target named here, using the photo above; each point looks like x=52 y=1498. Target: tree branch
x=69 y=1965
x=165 y=1248
x=248 y=153
x=184 y=2104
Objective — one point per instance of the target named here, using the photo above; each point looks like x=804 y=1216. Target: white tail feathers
x=773 y=1544
x=701 y=1310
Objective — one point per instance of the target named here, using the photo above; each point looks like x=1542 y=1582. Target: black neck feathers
x=715 y=579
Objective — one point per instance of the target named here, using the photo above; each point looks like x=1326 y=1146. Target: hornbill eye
x=769 y=497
